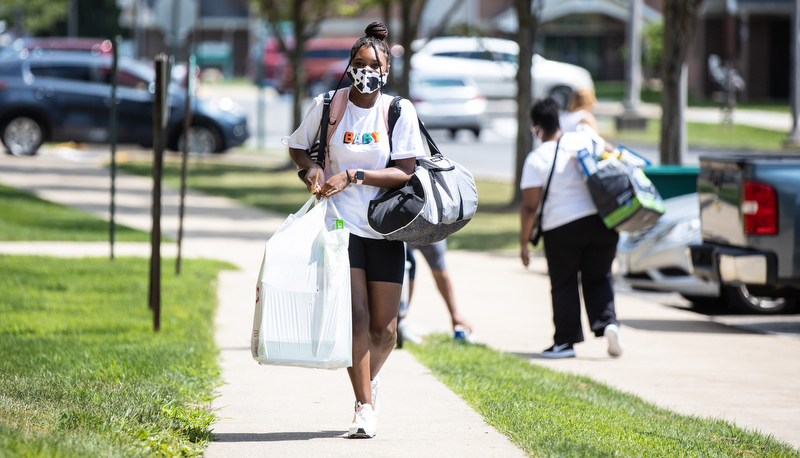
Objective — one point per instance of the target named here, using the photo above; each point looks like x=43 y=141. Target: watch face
x=360 y=175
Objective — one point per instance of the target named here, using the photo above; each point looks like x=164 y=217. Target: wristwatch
x=360 y=176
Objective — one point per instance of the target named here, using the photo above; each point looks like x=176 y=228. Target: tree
x=529 y=13
x=306 y=17
x=679 y=22
x=410 y=14
x=38 y=16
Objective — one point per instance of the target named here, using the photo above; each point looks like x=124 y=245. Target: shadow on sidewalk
x=276 y=437
x=682 y=326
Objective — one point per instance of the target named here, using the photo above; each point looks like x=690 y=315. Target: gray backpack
x=438 y=200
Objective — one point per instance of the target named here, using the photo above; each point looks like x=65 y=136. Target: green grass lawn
x=83 y=373
x=709 y=136
x=547 y=413
x=25 y=217
x=494 y=227
x=615 y=90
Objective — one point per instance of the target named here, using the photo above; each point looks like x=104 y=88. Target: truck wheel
x=740 y=299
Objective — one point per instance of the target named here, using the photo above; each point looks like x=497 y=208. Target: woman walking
x=578 y=246
x=359 y=155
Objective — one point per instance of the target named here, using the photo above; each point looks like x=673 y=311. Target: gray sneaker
x=559 y=351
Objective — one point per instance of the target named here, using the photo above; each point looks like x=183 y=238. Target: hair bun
x=377 y=30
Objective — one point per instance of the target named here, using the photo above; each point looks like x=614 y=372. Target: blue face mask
x=365 y=80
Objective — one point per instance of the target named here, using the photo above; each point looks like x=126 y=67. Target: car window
x=442 y=82
x=10 y=69
x=124 y=79
x=65 y=72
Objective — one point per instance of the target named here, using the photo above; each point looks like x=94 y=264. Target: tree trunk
x=678 y=29
x=296 y=60
x=408 y=36
x=525 y=38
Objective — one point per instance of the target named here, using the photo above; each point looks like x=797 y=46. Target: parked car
x=24 y=46
x=657 y=259
x=750 y=227
x=65 y=96
x=492 y=63
x=445 y=101
x=319 y=54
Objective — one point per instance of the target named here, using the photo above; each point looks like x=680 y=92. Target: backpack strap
x=337 y=107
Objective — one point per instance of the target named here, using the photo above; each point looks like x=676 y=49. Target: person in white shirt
x=579 y=248
x=579 y=111
x=358 y=163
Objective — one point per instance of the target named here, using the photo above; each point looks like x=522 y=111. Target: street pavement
x=675 y=358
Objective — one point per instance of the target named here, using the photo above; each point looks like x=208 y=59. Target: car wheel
x=23 y=136
x=202 y=139
x=453 y=132
x=740 y=299
x=561 y=94
x=477 y=132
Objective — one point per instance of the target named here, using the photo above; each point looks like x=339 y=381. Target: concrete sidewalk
x=677 y=359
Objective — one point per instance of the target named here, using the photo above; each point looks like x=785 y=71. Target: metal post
x=72 y=18
x=794 y=135
x=683 y=94
x=113 y=134
x=260 y=121
x=631 y=117
x=634 y=67
x=160 y=113
x=187 y=126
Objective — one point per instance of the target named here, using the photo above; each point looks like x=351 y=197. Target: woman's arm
x=527 y=216
x=315 y=173
x=392 y=177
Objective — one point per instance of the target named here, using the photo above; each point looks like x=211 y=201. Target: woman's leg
x=597 y=281
x=359 y=372
x=562 y=247
x=384 y=301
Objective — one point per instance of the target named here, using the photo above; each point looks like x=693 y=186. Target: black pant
x=587 y=248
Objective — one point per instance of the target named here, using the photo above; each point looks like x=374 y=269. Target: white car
x=492 y=63
x=447 y=101
x=656 y=260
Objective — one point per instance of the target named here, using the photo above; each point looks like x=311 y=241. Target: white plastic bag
x=303 y=311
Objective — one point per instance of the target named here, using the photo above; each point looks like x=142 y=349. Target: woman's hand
x=314 y=177
x=334 y=185
x=524 y=254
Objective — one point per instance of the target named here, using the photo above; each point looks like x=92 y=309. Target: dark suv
x=66 y=96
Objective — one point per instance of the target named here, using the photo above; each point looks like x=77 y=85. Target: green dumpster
x=673 y=180
x=216 y=54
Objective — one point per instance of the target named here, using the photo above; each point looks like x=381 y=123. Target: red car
x=320 y=53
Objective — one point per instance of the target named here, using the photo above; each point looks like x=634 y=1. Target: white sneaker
x=365 y=422
x=373 y=388
x=614 y=344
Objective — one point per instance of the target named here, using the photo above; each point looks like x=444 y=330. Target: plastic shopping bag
x=303 y=311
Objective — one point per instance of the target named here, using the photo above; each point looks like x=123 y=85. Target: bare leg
x=359 y=371
x=375 y=307
x=384 y=300
x=446 y=290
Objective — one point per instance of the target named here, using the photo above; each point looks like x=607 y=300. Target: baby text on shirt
x=361 y=138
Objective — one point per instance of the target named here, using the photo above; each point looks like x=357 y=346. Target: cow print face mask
x=365 y=80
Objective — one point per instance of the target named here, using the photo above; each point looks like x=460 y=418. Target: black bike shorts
x=382 y=260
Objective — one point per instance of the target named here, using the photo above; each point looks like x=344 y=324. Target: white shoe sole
x=559 y=355
x=612 y=335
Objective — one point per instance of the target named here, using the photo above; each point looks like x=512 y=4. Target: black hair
x=544 y=113
x=374 y=36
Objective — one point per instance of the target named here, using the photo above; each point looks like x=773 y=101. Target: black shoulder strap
x=323 y=129
x=549 y=178
x=394 y=115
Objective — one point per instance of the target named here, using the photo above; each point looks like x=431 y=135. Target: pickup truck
x=750 y=224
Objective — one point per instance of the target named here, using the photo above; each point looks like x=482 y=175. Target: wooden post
x=160 y=116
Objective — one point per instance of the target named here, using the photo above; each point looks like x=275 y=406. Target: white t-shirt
x=568 y=121
x=360 y=141
x=568 y=199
